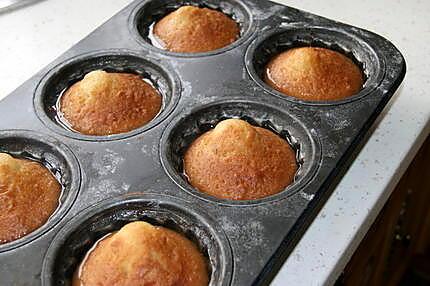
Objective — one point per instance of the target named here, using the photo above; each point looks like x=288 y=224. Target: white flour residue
x=108 y=163
x=306 y=196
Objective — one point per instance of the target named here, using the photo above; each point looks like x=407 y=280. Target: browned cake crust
x=312 y=73
x=240 y=162
x=109 y=103
x=191 y=29
x=29 y=195
x=141 y=254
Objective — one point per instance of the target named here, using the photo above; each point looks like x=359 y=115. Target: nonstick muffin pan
x=111 y=180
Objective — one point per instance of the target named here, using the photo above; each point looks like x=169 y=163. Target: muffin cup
x=184 y=129
x=61 y=77
x=145 y=15
x=76 y=238
x=58 y=159
x=271 y=43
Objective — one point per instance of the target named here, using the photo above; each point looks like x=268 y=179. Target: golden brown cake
x=29 y=195
x=240 y=162
x=311 y=73
x=191 y=29
x=105 y=103
x=140 y=254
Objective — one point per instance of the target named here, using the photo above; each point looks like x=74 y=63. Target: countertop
x=34 y=35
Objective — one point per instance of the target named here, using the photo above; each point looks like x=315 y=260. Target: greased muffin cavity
x=105 y=103
x=143 y=254
x=191 y=29
x=238 y=152
x=314 y=65
x=139 y=239
x=106 y=95
x=238 y=161
x=29 y=195
x=313 y=73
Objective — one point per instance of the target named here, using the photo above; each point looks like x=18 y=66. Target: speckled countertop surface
x=35 y=35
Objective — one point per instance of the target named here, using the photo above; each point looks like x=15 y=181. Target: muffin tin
x=111 y=180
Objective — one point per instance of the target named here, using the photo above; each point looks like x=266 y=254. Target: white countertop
x=33 y=36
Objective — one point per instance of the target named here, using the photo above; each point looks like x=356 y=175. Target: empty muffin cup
x=144 y=19
x=186 y=128
x=78 y=236
x=329 y=46
x=68 y=100
x=30 y=152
